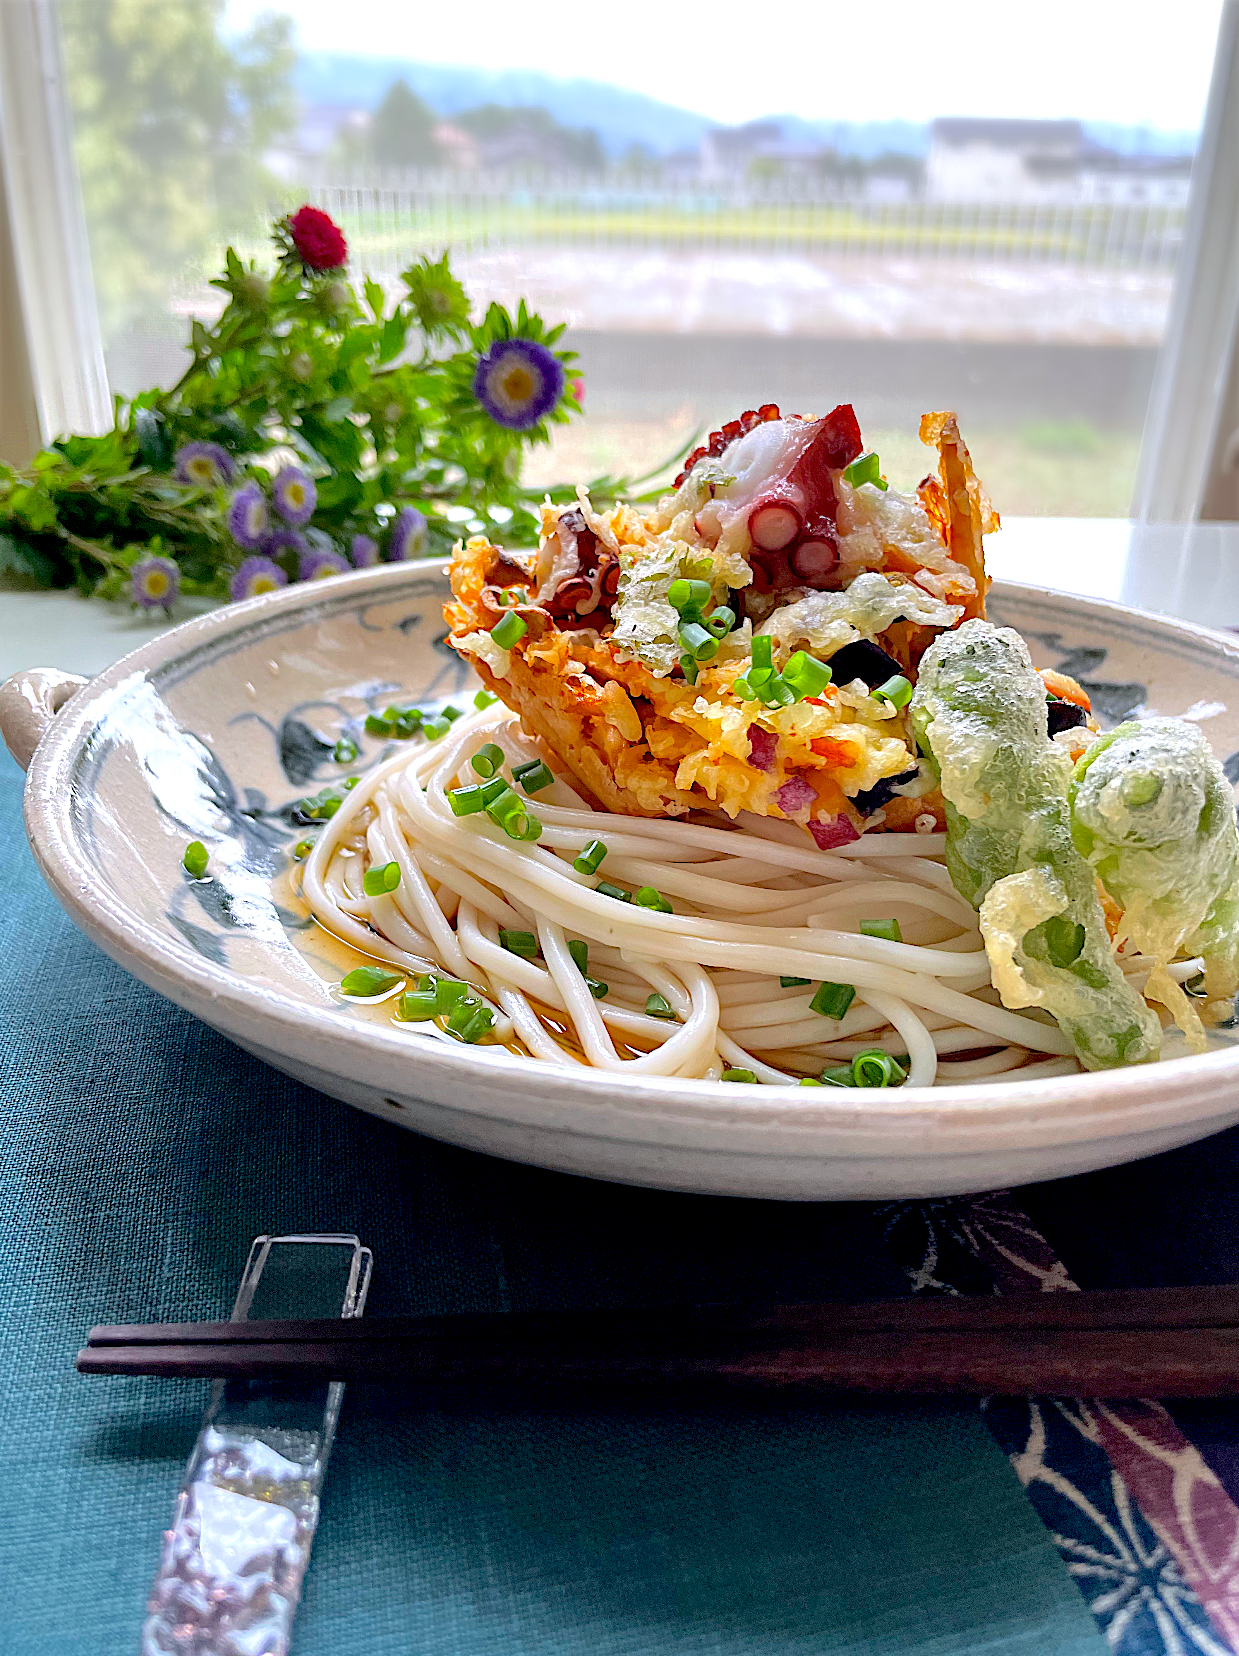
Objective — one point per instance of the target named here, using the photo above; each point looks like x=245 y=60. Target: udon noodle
x=752 y=903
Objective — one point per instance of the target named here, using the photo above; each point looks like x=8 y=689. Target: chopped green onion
x=508 y=630
x=876 y=1069
x=598 y=990
x=368 y=980
x=658 y=1006
x=738 y=1075
x=833 y=999
x=590 y=859
x=345 y=751
x=698 y=643
x=465 y=801
x=195 y=859
x=866 y=468
x=479 y=1024
x=484 y=699
x=449 y=992
x=488 y=760
x=463 y=1013
x=417 y=1006
x=533 y=775
x=720 y=621
x=689 y=668
x=810 y=1081
x=432 y=729
x=615 y=891
x=763 y=652
x=1195 y=986
x=530 y=830
x=580 y=955
x=377 y=882
x=378 y=726
x=777 y=693
x=404 y=721
x=742 y=688
x=897 y=691
x=302 y=849
x=648 y=898
x=840 y=1075
x=493 y=789
x=350 y=782
x=793 y=982
x=518 y=942
x=688 y=596
x=451 y=713
x=318 y=807
x=886 y=929
x=805 y=675
x=760 y=677
x=503 y=802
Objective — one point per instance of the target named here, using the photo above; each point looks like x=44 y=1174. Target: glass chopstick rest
x=233 y=1562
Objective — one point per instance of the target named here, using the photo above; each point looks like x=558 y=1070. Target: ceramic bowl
x=214 y=730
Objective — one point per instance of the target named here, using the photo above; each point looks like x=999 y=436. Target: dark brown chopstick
x=1198 y=1362
x=1170 y=1342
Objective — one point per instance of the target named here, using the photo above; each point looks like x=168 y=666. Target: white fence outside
x=391 y=219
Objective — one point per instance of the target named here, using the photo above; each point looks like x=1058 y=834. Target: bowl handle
x=29 y=702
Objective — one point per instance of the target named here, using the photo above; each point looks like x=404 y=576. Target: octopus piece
x=577 y=577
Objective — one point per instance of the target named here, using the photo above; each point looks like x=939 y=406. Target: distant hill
x=622 y=118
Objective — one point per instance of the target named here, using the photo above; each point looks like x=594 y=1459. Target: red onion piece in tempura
x=795 y=795
x=832 y=831
x=762 y=747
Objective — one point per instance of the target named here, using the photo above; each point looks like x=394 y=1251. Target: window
x=883 y=204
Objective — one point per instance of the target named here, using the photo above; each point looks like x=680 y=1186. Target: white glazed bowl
x=213 y=730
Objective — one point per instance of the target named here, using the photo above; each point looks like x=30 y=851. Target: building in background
x=1019 y=161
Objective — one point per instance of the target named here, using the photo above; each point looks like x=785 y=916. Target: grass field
x=1044 y=468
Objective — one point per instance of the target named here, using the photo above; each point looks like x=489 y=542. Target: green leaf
x=21 y=564
x=392 y=338
x=375 y=298
x=154 y=443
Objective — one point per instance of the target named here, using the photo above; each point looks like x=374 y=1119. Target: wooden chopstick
x=1195 y=1362
x=1169 y=1342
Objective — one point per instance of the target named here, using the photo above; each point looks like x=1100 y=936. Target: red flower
x=318 y=239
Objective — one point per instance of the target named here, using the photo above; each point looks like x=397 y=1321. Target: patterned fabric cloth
x=1145 y=1526
x=141 y=1155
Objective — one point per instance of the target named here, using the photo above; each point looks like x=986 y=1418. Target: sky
x=1129 y=61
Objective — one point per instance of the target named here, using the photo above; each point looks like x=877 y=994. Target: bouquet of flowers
x=314 y=430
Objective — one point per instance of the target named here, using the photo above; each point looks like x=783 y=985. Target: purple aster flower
x=284 y=543
x=256 y=576
x=317 y=565
x=408 y=536
x=294 y=495
x=154 y=583
x=205 y=464
x=248 y=518
x=364 y=552
x=518 y=382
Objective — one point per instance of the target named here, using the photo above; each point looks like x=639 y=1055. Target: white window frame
x=53 y=380
x=1180 y=476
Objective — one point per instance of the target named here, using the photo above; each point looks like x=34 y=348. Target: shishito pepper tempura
x=769 y=799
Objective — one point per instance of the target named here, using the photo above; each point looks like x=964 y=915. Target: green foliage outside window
x=170 y=123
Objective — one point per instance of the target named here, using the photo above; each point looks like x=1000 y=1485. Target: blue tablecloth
x=141 y=1153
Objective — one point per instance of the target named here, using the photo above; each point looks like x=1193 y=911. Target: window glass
x=977 y=207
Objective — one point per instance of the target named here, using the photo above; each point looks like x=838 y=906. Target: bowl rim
x=1059 y=1109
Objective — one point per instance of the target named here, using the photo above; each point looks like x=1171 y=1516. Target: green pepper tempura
x=1153 y=813
x=979 y=712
